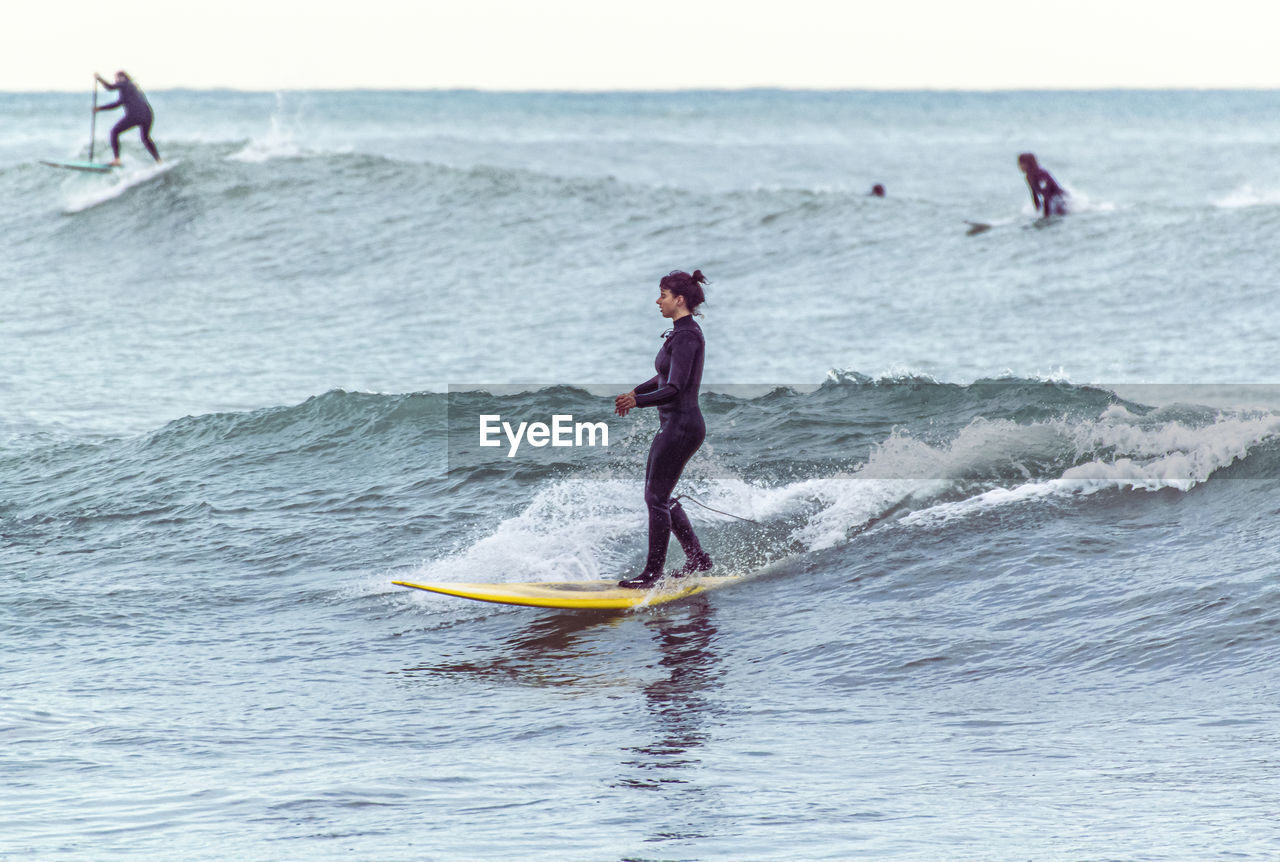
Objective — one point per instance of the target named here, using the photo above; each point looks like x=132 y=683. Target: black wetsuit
x=137 y=112
x=1046 y=193
x=674 y=391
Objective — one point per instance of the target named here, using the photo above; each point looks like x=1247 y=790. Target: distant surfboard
x=94 y=167
x=576 y=595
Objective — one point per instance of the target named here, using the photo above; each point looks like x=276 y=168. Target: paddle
x=93 y=117
x=90 y=165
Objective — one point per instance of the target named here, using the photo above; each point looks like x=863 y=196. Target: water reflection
x=677 y=701
x=658 y=739
x=674 y=802
x=542 y=653
x=566 y=649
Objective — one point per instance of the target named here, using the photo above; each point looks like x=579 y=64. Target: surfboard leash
x=717 y=511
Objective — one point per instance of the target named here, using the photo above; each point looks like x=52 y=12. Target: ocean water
x=1011 y=560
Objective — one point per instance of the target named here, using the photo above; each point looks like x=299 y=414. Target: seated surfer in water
x=674 y=391
x=1046 y=195
x=137 y=112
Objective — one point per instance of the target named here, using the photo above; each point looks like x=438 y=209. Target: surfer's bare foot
x=115 y=163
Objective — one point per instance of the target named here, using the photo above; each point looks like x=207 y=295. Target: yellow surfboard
x=576 y=595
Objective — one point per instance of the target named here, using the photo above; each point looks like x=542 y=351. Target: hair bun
x=681 y=283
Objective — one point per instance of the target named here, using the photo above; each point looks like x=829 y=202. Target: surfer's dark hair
x=681 y=283
x=1027 y=160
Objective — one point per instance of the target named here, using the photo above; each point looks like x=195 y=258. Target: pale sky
x=641 y=44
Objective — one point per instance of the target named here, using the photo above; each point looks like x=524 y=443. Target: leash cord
x=717 y=511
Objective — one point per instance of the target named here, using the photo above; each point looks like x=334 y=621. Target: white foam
x=848 y=502
x=1058 y=375
x=1118 y=413
x=1080 y=202
x=592 y=526
x=568 y=531
x=88 y=191
x=900 y=373
x=1247 y=196
x=275 y=145
x=280 y=141
x=903 y=469
x=1170 y=455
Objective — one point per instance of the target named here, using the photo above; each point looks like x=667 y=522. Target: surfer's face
x=669 y=303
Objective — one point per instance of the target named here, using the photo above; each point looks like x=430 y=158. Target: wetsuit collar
x=684 y=322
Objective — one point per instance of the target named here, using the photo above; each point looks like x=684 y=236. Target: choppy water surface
x=1012 y=562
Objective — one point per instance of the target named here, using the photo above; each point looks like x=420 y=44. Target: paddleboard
x=576 y=595
x=95 y=167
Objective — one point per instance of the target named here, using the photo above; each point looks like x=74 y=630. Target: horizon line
x=1180 y=88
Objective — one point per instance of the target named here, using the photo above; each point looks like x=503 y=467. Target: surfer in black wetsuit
x=1046 y=194
x=137 y=112
x=674 y=391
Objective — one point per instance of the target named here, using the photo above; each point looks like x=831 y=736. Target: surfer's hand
x=623 y=403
